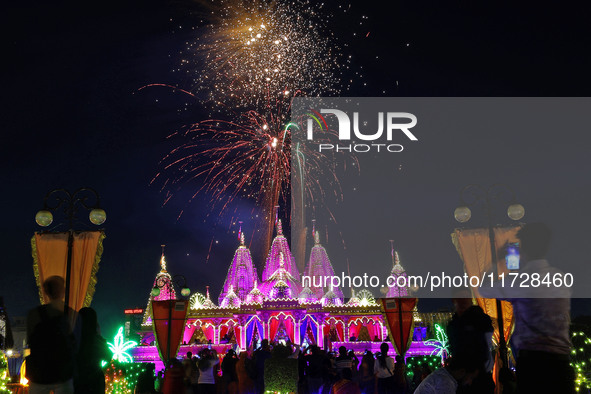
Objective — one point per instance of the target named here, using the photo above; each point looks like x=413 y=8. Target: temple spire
x=392 y=249
x=241 y=273
x=162 y=260
x=279 y=227
x=319 y=266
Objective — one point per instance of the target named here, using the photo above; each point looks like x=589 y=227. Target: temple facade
x=280 y=309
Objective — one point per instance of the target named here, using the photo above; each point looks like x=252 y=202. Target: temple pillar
x=265 y=316
x=216 y=331
x=298 y=316
x=320 y=329
x=346 y=329
x=242 y=320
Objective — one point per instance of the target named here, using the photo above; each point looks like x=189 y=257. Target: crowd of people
x=318 y=371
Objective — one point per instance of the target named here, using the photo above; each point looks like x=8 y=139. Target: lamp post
x=70 y=204
x=491 y=198
x=179 y=281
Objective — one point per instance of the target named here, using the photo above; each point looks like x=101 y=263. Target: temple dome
x=231 y=300
x=331 y=299
x=255 y=296
x=281 y=284
x=163 y=282
x=319 y=267
x=208 y=303
x=353 y=301
x=242 y=273
x=307 y=296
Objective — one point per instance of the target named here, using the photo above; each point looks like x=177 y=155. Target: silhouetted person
x=174 y=378
x=366 y=378
x=542 y=319
x=89 y=377
x=470 y=337
x=206 y=366
x=260 y=356
x=315 y=369
x=229 y=372
x=243 y=367
x=400 y=386
x=50 y=366
x=384 y=370
x=343 y=361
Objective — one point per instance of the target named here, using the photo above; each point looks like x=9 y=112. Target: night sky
x=73 y=116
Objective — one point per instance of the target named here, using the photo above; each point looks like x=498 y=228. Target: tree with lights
x=441 y=344
x=581 y=360
x=4 y=374
x=121 y=375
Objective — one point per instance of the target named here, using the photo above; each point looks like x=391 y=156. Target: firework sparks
x=253 y=50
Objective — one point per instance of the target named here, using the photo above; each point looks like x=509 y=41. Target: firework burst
x=252 y=50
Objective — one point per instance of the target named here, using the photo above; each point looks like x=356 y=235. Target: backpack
x=52 y=350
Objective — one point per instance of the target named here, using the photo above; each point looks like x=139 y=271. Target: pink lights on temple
x=231 y=300
x=278 y=246
x=255 y=296
x=277 y=308
x=395 y=290
x=163 y=282
x=242 y=273
x=319 y=266
x=281 y=284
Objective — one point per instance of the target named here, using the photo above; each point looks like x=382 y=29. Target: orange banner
x=50 y=254
x=473 y=246
x=165 y=313
x=398 y=314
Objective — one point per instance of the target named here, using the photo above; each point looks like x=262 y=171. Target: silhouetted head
x=462 y=299
x=54 y=287
x=342 y=351
x=88 y=320
x=534 y=240
x=384 y=348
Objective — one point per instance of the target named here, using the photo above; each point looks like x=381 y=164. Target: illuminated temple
x=277 y=307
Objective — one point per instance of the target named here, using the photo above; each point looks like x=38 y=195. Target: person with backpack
x=384 y=371
x=50 y=365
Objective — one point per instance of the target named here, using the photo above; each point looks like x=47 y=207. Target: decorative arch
x=254 y=331
x=309 y=330
x=334 y=329
x=282 y=324
x=230 y=329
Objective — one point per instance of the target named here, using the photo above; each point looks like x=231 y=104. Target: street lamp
x=179 y=281
x=70 y=204
x=490 y=198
